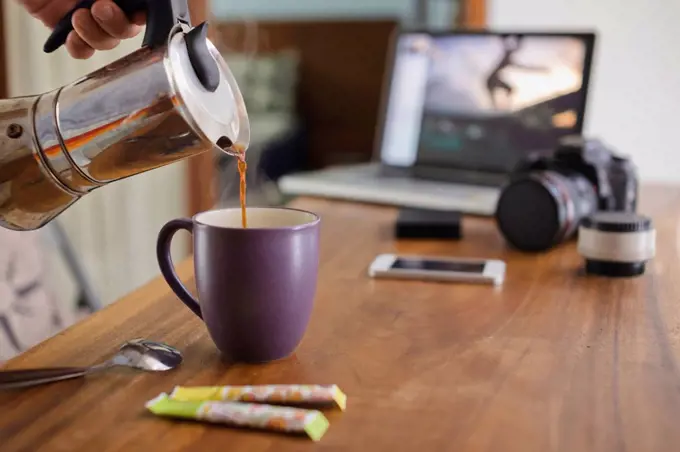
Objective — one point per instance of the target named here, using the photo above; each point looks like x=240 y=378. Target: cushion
x=28 y=313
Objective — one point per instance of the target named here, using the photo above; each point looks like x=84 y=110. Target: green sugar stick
x=274 y=394
x=265 y=417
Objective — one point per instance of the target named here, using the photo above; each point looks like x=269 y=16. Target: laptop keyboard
x=366 y=184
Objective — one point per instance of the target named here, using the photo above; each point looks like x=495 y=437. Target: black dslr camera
x=548 y=196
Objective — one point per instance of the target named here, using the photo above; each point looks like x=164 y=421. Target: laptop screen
x=482 y=101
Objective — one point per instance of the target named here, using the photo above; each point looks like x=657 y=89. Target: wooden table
x=552 y=361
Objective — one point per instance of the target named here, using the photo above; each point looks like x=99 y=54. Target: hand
x=100 y=28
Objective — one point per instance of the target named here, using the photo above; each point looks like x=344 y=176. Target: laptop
x=460 y=109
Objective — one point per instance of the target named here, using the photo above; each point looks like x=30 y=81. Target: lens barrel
x=541 y=209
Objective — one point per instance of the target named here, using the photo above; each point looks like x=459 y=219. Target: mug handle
x=165 y=262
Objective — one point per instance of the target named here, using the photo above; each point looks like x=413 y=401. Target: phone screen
x=441 y=266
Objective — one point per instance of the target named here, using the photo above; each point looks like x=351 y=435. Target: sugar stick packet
x=249 y=415
x=275 y=394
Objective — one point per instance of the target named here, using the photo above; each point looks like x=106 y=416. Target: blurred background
x=312 y=72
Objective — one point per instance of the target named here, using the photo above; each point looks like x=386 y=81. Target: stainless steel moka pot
x=171 y=99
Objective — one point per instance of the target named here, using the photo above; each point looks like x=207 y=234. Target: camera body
x=613 y=176
x=548 y=195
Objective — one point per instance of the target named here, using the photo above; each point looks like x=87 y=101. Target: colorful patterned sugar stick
x=276 y=394
x=264 y=417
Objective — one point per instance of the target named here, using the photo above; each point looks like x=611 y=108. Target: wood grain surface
x=472 y=14
x=340 y=77
x=551 y=361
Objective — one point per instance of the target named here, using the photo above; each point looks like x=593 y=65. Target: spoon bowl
x=147 y=355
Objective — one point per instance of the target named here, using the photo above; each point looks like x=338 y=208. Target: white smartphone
x=438 y=269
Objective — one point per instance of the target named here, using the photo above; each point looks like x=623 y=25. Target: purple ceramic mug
x=256 y=286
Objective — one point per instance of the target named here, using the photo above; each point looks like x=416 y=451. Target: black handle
x=161 y=16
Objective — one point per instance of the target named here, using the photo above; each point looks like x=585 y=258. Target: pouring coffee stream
x=171 y=99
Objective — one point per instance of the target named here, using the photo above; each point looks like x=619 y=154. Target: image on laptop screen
x=491 y=99
x=483 y=101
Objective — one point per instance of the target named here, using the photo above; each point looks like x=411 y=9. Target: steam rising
x=241 y=49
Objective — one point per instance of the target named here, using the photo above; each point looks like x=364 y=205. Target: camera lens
x=538 y=210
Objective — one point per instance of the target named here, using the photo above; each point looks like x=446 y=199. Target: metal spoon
x=138 y=354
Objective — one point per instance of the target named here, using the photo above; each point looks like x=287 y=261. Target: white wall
x=440 y=12
x=635 y=94
x=290 y=9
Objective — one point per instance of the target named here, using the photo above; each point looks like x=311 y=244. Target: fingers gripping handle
x=161 y=16
x=168 y=269
x=64 y=27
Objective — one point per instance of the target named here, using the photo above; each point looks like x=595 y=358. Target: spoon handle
x=12 y=379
